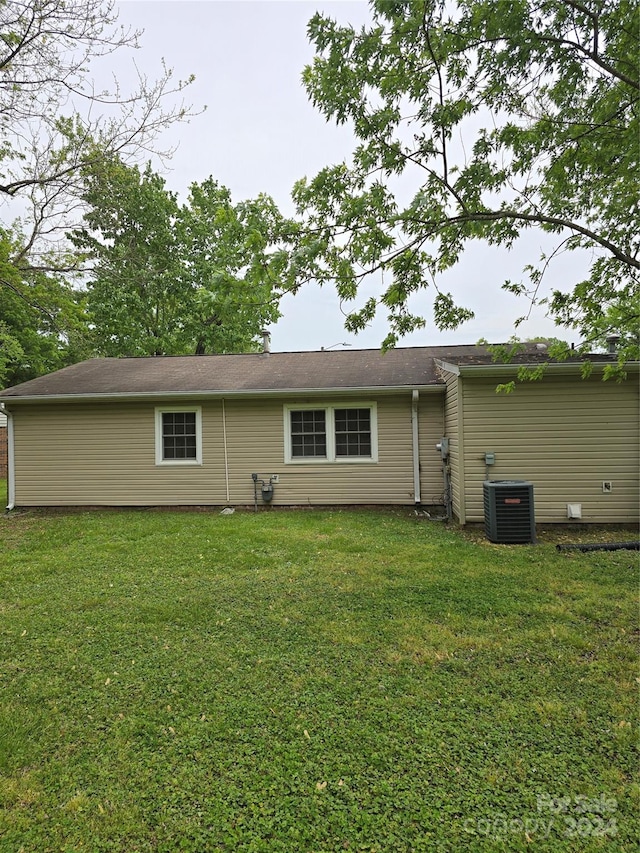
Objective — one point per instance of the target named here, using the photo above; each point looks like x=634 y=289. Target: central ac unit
x=509 y=516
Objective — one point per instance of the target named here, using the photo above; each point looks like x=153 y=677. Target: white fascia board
x=567 y=368
x=219 y=395
x=450 y=368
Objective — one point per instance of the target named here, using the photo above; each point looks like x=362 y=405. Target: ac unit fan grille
x=509 y=511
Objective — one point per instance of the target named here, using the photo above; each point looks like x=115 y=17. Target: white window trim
x=160 y=410
x=330 y=458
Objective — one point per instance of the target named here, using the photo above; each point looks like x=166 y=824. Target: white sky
x=259 y=133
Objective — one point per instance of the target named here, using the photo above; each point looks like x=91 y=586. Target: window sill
x=179 y=463
x=344 y=460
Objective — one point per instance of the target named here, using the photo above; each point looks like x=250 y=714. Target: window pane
x=308 y=433
x=307 y=421
x=353 y=432
x=179 y=435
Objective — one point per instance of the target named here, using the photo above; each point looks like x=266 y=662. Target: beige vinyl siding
x=255 y=441
x=85 y=454
x=104 y=454
x=453 y=431
x=564 y=435
x=431 y=430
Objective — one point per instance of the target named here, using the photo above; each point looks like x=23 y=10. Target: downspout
x=446 y=466
x=11 y=479
x=462 y=465
x=415 y=435
x=224 y=442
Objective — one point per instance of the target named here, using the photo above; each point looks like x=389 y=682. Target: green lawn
x=311 y=681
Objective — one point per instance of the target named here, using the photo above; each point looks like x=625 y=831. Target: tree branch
x=31 y=303
x=443 y=137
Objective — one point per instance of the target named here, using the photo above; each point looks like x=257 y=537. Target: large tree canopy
x=175 y=279
x=55 y=123
x=42 y=321
x=55 y=119
x=499 y=116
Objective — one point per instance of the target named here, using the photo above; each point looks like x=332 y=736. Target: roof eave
x=132 y=396
x=559 y=368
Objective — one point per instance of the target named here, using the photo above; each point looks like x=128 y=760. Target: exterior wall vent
x=509 y=516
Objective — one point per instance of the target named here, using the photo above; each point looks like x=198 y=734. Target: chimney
x=612 y=344
x=266 y=336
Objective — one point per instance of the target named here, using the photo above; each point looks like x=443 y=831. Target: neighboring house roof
x=335 y=370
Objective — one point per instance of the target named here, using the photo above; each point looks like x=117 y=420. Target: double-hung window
x=335 y=433
x=179 y=436
x=353 y=432
x=309 y=433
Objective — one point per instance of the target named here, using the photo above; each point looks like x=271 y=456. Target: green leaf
x=480 y=120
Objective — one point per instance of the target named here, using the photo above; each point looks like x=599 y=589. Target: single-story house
x=326 y=428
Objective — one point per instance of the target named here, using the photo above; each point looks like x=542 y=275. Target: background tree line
x=98 y=257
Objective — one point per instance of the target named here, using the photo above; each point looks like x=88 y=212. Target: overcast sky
x=259 y=133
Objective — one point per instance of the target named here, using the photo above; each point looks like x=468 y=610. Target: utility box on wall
x=509 y=515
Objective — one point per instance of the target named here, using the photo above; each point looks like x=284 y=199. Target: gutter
x=216 y=395
x=11 y=477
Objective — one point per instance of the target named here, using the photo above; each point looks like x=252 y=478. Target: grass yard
x=311 y=681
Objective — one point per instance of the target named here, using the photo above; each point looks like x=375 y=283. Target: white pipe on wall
x=11 y=479
x=415 y=398
x=224 y=441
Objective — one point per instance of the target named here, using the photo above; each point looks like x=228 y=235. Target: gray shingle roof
x=409 y=367
x=253 y=372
